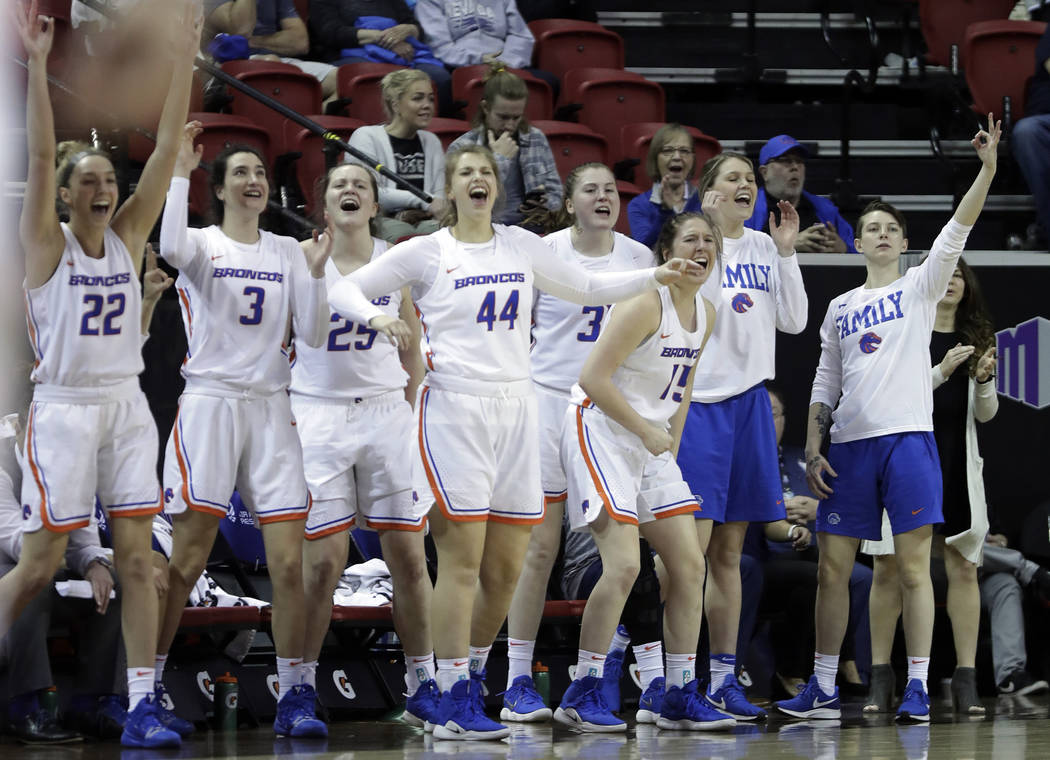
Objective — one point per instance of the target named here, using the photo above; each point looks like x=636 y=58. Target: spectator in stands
x=483 y=31
x=670 y=165
x=528 y=174
x=274 y=32
x=963 y=396
x=406 y=148
x=782 y=164
x=339 y=37
x=1001 y=576
x=1031 y=144
x=1038 y=10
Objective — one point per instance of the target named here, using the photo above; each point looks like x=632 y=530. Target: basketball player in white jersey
x=472 y=283
x=873 y=390
x=563 y=334
x=240 y=288
x=619 y=440
x=729 y=449
x=352 y=397
x=89 y=429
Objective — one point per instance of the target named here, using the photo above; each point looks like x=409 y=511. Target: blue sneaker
x=166 y=713
x=295 y=715
x=811 y=702
x=651 y=701
x=523 y=704
x=583 y=707
x=730 y=700
x=915 y=704
x=461 y=715
x=144 y=729
x=611 y=679
x=684 y=709
x=422 y=707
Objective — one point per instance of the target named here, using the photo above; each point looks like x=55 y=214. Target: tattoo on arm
x=823 y=420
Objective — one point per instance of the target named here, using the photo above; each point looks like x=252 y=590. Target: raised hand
x=154 y=279
x=396 y=330
x=674 y=269
x=318 y=253
x=785 y=233
x=36 y=32
x=986 y=365
x=189 y=157
x=955 y=356
x=712 y=203
x=986 y=143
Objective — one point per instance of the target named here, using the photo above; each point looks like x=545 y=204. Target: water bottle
x=48 y=699
x=541 y=677
x=226 y=703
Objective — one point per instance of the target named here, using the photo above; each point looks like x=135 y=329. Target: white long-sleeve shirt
x=874 y=369
x=236 y=301
x=761 y=292
x=475 y=299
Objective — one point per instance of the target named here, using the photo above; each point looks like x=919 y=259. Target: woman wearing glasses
x=670 y=166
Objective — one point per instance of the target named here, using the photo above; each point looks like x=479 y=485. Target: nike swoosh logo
x=142 y=672
x=219 y=256
x=516 y=644
x=420 y=659
x=916 y=662
x=651 y=647
x=819 y=703
x=916 y=511
x=597 y=657
x=668 y=335
x=720 y=704
x=453 y=269
x=460 y=664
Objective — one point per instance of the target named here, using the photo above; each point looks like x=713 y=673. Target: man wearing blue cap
x=782 y=164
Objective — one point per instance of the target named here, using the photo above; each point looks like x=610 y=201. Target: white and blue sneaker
x=651 y=701
x=461 y=715
x=730 y=700
x=144 y=729
x=583 y=707
x=523 y=704
x=915 y=704
x=811 y=702
x=295 y=715
x=422 y=707
x=684 y=709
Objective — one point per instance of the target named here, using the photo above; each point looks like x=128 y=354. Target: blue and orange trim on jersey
x=597 y=477
x=33 y=328
x=50 y=522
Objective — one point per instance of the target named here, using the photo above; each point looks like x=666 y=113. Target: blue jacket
x=826 y=212
x=647 y=214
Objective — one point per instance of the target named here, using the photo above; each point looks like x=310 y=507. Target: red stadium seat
x=636 y=138
x=302 y=7
x=448 y=130
x=610 y=98
x=1001 y=58
x=627 y=191
x=944 y=22
x=564 y=44
x=311 y=165
x=286 y=84
x=360 y=83
x=573 y=144
x=468 y=83
x=221 y=130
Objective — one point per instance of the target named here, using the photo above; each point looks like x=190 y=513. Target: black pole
x=288 y=113
x=271 y=204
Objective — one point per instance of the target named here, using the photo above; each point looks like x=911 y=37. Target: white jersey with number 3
x=564 y=333
x=355 y=361
x=84 y=321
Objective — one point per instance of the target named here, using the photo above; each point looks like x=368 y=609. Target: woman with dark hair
x=670 y=164
x=352 y=398
x=240 y=289
x=527 y=171
x=90 y=431
x=963 y=335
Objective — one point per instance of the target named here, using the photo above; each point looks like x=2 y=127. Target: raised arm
x=176 y=244
x=986 y=143
x=136 y=217
x=630 y=324
x=310 y=311
x=38 y=227
x=154 y=282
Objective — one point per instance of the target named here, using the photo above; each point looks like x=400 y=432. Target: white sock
x=309 y=673
x=159 y=661
x=289 y=674
x=681 y=669
x=919 y=667
x=519 y=658
x=620 y=640
x=140 y=685
x=418 y=670
x=590 y=664
x=478 y=657
x=650 y=659
x=722 y=665
x=450 y=671
x=825 y=668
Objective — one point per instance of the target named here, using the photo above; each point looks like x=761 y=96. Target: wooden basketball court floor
x=1014 y=728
